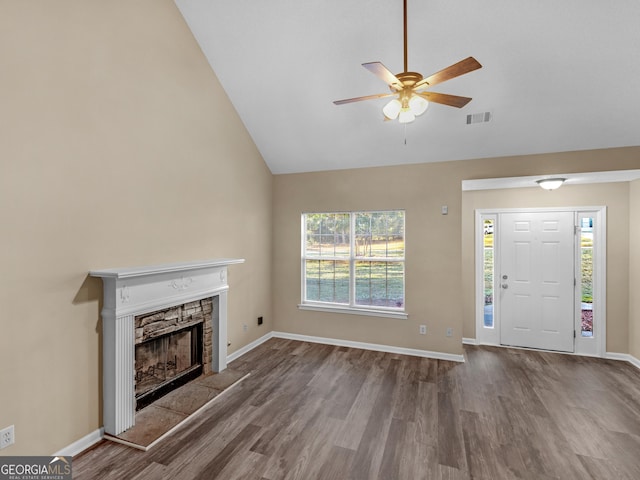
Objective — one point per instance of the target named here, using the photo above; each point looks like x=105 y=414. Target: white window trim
x=595 y=345
x=334 y=308
x=352 y=308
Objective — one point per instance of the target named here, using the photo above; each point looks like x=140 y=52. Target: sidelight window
x=488 y=227
x=586 y=276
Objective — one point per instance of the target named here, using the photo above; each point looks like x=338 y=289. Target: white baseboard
x=469 y=341
x=625 y=357
x=81 y=445
x=371 y=346
x=250 y=346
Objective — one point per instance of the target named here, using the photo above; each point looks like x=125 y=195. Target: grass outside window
x=354 y=259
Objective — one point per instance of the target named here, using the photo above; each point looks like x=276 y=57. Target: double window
x=354 y=260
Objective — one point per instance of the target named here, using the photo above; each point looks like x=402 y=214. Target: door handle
x=505 y=286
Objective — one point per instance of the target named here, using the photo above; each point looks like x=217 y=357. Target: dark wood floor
x=310 y=411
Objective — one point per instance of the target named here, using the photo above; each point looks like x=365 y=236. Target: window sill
x=354 y=311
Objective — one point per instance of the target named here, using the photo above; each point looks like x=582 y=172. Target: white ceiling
x=557 y=76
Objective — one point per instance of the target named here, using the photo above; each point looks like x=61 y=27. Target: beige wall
x=439 y=249
x=118 y=147
x=615 y=196
x=432 y=247
x=634 y=269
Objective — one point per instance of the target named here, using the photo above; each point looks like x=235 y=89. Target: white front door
x=536 y=280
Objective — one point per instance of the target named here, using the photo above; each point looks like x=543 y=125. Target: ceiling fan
x=410 y=88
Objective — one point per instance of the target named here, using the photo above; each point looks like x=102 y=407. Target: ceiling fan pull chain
x=405 y=134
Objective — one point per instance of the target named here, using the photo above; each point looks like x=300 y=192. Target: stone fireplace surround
x=133 y=291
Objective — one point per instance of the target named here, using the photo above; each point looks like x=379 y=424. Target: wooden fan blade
x=359 y=99
x=464 y=66
x=445 y=99
x=384 y=74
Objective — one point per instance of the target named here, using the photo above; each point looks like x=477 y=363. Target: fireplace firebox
x=170 y=348
x=165 y=363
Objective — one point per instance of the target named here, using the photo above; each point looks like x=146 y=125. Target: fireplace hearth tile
x=155 y=420
x=221 y=380
x=188 y=399
x=151 y=423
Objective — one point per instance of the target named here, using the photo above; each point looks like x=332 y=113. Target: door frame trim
x=590 y=346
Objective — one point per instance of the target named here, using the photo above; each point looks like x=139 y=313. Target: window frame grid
x=352 y=259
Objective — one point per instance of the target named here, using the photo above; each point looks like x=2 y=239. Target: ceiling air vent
x=482 y=117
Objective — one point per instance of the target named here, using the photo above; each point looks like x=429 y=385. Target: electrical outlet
x=245 y=327
x=259 y=320
x=423 y=329
x=449 y=332
x=7 y=437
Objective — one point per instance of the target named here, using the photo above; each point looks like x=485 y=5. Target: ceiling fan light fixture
x=406 y=116
x=410 y=87
x=418 y=105
x=551 y=183
x=392 y=109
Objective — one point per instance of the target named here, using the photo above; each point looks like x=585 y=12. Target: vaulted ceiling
x=556 y=76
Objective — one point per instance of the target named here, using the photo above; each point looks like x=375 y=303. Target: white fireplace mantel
x=134 y=291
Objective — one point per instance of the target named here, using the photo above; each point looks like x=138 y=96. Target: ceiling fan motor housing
x=409 y=79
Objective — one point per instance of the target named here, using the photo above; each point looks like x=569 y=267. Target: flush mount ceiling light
x=551 y=183
x=410 y=88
